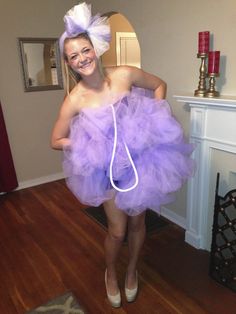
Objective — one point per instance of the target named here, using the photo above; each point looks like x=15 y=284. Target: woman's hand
x=160 y=91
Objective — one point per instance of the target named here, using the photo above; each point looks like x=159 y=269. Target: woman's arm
x=59 y=138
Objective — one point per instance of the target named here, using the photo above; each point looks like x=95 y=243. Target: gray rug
x=64 y=304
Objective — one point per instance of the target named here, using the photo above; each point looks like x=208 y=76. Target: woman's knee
x=116 y=234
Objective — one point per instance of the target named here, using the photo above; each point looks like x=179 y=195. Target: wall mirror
x=41 y=65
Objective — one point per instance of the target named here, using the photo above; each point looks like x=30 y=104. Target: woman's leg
x=117 y=223
x=136 y=236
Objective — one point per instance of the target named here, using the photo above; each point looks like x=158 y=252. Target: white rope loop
x=113 y=157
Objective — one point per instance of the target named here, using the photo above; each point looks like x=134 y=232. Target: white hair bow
x=80 y=20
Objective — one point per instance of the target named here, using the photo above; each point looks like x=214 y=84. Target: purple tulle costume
x=155 y=143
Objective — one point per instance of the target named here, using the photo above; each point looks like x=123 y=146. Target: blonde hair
x=71 y=78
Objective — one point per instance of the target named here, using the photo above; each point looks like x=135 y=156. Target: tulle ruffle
x=156 y=144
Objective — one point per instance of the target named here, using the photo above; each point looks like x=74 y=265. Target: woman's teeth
x=85 y=65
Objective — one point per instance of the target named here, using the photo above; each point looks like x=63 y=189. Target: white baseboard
x=193 y=240
x=190 y=237
x=173 y=217
x=41 y=180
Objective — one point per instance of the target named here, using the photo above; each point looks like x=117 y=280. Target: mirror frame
x=27 y=86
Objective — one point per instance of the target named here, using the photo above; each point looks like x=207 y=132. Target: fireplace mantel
x=213 y=131
x=222 y=101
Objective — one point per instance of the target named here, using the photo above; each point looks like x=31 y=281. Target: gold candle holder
x=201 y=91
x=211 y=92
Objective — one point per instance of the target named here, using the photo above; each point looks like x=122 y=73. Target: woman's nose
x=82 y=58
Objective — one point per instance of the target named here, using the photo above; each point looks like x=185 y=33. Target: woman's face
x=81 y=56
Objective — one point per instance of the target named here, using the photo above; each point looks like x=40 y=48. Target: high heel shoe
x=115 y=300
x=131 y=294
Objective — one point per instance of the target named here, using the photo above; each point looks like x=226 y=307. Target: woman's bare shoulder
x=75 y=99
x=120 y=74
x=121 y=69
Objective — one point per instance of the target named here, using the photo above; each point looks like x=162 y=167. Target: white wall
x=167 y=32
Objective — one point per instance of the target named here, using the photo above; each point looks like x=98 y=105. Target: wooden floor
x=49 y=246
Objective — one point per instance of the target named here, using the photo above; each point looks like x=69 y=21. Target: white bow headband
x=80 y=20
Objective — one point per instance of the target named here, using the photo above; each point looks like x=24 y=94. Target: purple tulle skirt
x=155 y=143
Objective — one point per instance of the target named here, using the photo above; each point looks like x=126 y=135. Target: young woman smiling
x=122 y=149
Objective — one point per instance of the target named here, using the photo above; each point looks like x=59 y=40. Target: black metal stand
x=223 y=248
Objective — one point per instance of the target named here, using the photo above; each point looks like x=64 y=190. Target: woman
x=105 y=160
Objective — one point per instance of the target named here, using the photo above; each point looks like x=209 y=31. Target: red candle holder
x=213 y=72
x=213 y=62
x=203 y=42
x=203 y=48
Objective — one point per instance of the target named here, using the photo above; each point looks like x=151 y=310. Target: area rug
x=64 y=304
x=153 y=221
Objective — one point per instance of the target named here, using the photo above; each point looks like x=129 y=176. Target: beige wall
x=167 y=32
x=29 y=116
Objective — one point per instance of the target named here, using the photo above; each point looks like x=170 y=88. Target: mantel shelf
x=222 y=101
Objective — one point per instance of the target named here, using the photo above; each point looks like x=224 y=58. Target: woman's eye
x=73 y=57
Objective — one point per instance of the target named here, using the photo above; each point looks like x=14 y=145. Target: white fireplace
x=213 y=130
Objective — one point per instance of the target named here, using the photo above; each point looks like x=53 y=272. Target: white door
x=127 y=49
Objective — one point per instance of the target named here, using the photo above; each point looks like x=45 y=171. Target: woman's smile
x=85 y=64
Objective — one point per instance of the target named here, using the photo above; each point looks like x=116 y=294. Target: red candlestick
x=214 y=62
x=203 y=42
